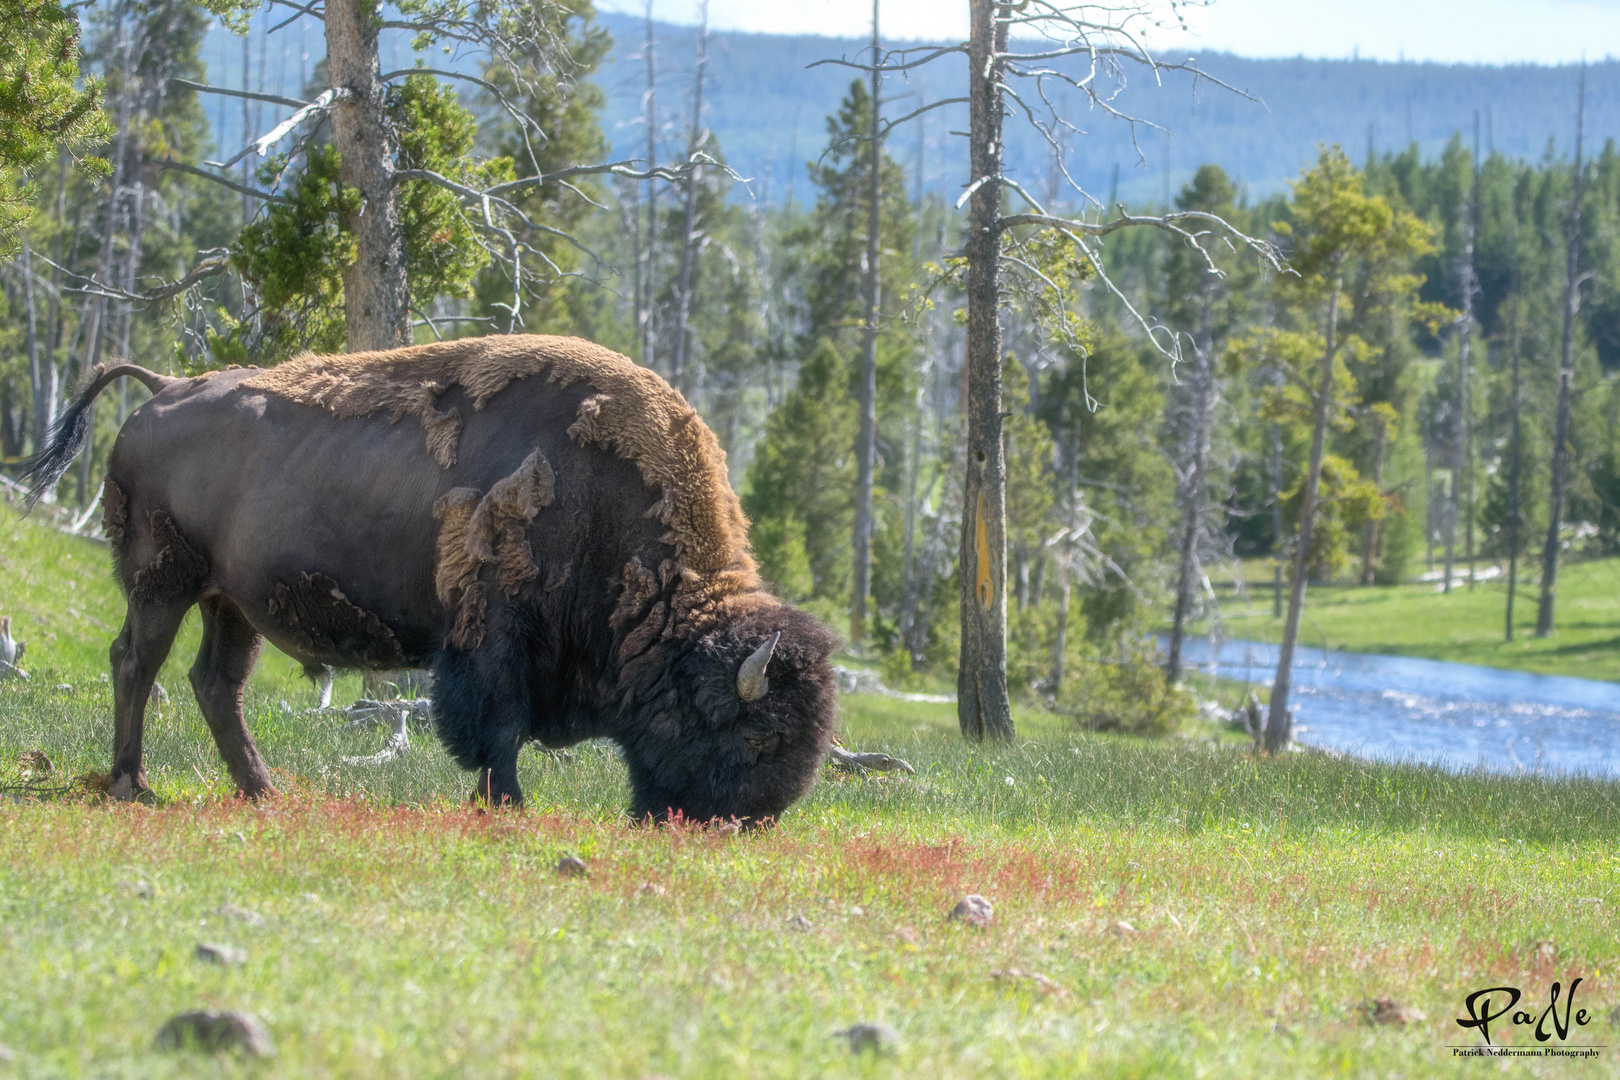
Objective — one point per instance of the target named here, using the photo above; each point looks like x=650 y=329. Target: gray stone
x=223 y=955
x=870 y=1038
x=216 y=1031
x=571 y=866
x=974 y=910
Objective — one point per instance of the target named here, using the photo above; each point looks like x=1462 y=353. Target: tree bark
x=1277 y=720
x=1566 y=376
x=1192 y=491
x=41 y=379
x=648 y=319
x=683 y=284
x=982 y=705
x=866 y=438
x=376 y=294
x=1514 y=522
x=1371 y=532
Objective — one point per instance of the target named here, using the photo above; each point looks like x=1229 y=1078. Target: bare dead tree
x=353 y=109
x=646 y=316
x=696 y=137
x=866 y=398
x=1515 y=520
x=1064 y=47
x=1545 y=619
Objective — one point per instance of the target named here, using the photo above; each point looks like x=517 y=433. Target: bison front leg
x=230 y=647
x=481 y=711
x=137 y=654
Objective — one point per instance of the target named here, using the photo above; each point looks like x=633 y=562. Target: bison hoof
x=130 y=788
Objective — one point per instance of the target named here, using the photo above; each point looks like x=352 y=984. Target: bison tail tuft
x=72 y=429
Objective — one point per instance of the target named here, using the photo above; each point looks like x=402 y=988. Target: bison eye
x=764 y=744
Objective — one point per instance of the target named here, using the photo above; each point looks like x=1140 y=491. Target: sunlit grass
x=1193 y=911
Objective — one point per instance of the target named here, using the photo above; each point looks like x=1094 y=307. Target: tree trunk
x=41 y=379
x=908 y=567
x=1566 y=376
x=866 y=439
x=1514 y=523
x=1276 y=522
x=376 y=295
x=1065 y=561
x=683 y=283
x=1370 y=533
x=1192 y=491
x=647 y=324
x=982 y=706
x=1277 y=721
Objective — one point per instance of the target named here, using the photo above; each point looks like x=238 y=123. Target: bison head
x=733 y=724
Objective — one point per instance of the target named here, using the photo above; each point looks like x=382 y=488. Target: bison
x=545 y=524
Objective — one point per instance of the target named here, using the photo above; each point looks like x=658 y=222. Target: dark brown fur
x=558 y=540
x=178 y=571
x=114 y=513
x=315 y=612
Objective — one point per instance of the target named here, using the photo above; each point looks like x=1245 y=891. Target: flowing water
x=1398 y=708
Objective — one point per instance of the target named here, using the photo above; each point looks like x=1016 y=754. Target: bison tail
x=72 y=429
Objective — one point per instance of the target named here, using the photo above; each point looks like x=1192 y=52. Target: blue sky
x=1447 y=31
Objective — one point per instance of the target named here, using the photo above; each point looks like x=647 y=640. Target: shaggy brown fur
x=633 y=413
x=498 y=530
x=456 y=579
x=327 y=623
x=178 y=571
x=474 y=532
x=114 y=513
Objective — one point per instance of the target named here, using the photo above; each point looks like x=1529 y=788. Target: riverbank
x=1465 y=625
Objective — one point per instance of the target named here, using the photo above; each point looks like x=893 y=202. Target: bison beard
x=558 y=540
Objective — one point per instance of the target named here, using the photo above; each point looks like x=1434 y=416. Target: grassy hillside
x=1465 y=625
x=1161 y=909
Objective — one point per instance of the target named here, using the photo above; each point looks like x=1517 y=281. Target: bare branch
x=1170 y=223
x=180 y=166
x=263 y=143
x=215 y=262
x=273 y=99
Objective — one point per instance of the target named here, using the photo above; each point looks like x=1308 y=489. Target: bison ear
x=751 y=681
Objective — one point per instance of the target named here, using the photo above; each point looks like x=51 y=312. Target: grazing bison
x=545 y=524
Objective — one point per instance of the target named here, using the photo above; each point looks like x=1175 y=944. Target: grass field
x=1465 y=625
x=1189 y=911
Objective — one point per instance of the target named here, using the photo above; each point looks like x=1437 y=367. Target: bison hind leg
x=481 y=712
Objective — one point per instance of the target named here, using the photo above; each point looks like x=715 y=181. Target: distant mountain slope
x=768 y=107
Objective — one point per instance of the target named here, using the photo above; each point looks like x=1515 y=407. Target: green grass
x=1466 y=626
x=405 y=935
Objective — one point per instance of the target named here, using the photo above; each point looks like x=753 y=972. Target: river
x=1397 y=708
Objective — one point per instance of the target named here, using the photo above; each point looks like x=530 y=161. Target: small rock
x=870 y=1038
x=7 y=1055
x=216 y=1031
x=1389 y=1011
x=241 y=915
x=857 y=911
x=223 y=955
x=570 y=866
x=1590 y=901
x=651 y=889
x=1123 y=929
x=974 y=910
x=63 y=688
x=800 y=925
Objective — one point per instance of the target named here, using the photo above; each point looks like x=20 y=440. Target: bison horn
x=751 y=681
